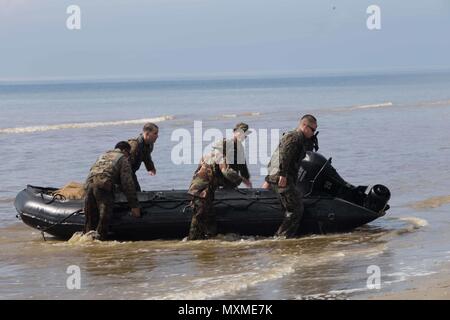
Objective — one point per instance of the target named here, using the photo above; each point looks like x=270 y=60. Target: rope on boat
x=56 y=196
x=57 y=223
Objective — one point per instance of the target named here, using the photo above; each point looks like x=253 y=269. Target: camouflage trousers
x=202 y=189
x=203 y=223
x=136 y=182
x=98 y=208
x=292 y=203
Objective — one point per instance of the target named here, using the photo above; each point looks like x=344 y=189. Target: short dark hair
x=310 y=118
x=150 y=127
x=123 y=146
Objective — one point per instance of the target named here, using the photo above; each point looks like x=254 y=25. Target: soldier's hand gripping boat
x=331 y=205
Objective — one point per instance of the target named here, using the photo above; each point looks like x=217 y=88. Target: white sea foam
x=244 y=114
x=412 y=225
x=216 y=286
x=347 y=291
x=364 y=107
x=372 y=106
x=7 y=200
x=415 y=222
x=361 y=107
x=82 y=125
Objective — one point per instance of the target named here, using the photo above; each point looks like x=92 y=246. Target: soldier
x=283 y=172
x=212 y=172
x=141 y=149
x=112 y=168
x=235 y=154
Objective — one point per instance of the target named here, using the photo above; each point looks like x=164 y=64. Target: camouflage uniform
x=212 y=172
x=286 y=162
x=112 y=168
x=235 y=157
x=140 y=152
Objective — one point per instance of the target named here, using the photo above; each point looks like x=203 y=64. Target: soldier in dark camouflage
x=141 y=151
x=112 y=168
x=283 y=172
x=233 y=151
x=212 y=172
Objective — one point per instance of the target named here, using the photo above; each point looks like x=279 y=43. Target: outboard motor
x=317 y=177
x=377 y=198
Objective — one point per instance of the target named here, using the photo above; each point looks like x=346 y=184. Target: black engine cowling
x=377 y=198
x=318 y=177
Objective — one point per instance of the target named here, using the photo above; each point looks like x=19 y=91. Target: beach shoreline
x=431 y=287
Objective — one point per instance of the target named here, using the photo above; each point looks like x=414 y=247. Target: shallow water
x=389 y=129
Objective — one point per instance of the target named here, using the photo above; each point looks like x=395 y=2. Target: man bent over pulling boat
x=215 y=170
x=112 y=168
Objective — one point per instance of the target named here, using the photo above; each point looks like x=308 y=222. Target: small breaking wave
x=319 y=296
x=89 y=239
x=408 y=225
x=431 y=203
x=82 y=125
x=7 y=200
x=81 y=238
x=372 y=106
x=393 y=278
x=347 y=291
x=365 y=106
x=436 y=103
x=244 y=114
x=227 y=284
x=415 y=222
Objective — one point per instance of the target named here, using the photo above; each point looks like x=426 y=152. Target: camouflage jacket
x=141 y=152
x=234 y=153
x=286 y=159
x=212 y=172
x=113 y=168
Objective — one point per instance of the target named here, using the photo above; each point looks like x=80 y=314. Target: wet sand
x=432 y=287
x=434 y=202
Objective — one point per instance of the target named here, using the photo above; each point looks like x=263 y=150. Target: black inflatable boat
x=331 y=205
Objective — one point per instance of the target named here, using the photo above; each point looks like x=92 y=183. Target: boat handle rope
x=56 y=196
x=316 y=177
x=58 y=223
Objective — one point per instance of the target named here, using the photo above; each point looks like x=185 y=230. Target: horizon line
x=220 y=75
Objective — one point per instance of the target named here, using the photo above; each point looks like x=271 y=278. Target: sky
x=192 y=38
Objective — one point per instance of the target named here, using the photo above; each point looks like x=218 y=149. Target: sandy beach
x=432 y=287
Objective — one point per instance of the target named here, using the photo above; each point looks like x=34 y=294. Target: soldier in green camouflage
x=234 y=152
x=283 y=172
x=212 y=172
x=111 y=169
x=141 y=151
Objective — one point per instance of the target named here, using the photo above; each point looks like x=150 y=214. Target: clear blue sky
x=164 y=38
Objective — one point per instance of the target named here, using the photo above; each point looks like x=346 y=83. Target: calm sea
x=378 y=128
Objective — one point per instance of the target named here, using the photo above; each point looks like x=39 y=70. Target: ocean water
x=391 y=129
